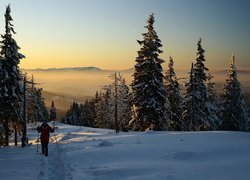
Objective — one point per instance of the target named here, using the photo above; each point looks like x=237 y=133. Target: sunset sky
x=103 y=33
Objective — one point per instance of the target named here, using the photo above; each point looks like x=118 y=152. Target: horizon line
x=124 y=69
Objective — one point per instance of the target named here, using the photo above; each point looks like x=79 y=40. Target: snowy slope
x=86 y=153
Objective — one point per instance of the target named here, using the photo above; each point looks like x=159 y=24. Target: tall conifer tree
x=149 y=94
x=215 y=109
x=234 y=115
x=10 y=86
x=52 y=115
x=124 y=107
x=105 y=109
x=42 y=109
x=187 y=106
x=202 y=116
x=174 y=97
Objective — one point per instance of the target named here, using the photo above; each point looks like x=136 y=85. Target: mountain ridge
x=83 y=68
x=87 y=68
x=97 y=69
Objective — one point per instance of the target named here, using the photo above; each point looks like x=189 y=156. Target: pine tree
x=114 y=88
x=202 y=117
x=2 y=76
x=87 y=114
x=121 y=102
x=52 y=116
x=173 y=96
x=10 y=86
x=108 y=108
x=206 y=118
x=95 y=103
x=215 y=108
x=149 y=95
x=187 y=105
x=42 y=111
x=124 y=107
x=105 y=110
x=112 y=107
x=32 y=110
x=73 y=115
x=234 y=116
x=100 y=113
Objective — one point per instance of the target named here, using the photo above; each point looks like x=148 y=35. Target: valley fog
x=86 y=83
x=66 y=86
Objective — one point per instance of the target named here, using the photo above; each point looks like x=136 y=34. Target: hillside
x=87 y=153
x=62 y=102
x=65 y=85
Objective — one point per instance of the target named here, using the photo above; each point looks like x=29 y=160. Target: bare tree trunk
x=6 y=132
x=116 y=109
x=15 y=134
x=24 y=138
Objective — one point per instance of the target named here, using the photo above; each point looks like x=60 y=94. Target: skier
x=45 y=129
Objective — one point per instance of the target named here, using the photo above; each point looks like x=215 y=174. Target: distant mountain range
x=96 y=69
x=239 y=71
x=89 y=69
x=66 y=69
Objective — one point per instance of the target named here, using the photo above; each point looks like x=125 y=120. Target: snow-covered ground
x=79 y=153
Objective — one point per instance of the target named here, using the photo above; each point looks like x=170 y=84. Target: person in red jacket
x=45 y=130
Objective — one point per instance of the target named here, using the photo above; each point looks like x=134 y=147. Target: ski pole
x=37 y=141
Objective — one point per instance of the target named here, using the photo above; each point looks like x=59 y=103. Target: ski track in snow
x=55 y=166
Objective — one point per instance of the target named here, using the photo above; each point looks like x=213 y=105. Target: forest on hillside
x=154 y=100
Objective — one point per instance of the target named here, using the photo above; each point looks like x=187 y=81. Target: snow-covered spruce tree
x=105 y=109
x=202 y=114
x=52 y=115
x=86 y=114
x=187 y=105
x=1 y=110
x=174 y=96
x=82 y=114
x=100 y=113
x=32 y=111
x=35 y=105
x=234 y=115
x=81 y=120
x=114 y=89
x=121 y=102
x=113 y=106
x=206 y=117
x=124 y=107
x=73 y=114
x=148 y=92
x=42 y=111
x=215 y=108
x=10 y=86
x=95 y=101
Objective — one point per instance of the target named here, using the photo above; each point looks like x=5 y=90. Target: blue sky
x=103 y=33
